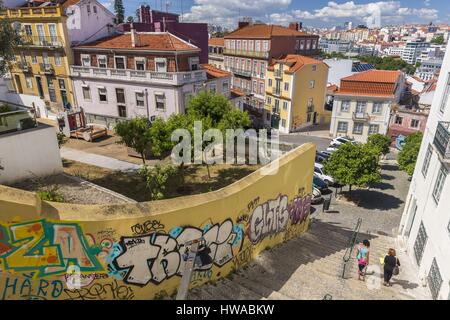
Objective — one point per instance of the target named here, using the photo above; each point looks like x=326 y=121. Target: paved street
x=298 y=139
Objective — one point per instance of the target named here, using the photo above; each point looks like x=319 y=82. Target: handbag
x=396 y=269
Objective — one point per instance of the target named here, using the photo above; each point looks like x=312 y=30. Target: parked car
x=320 y=159
x=332 y=149
x=326 y=153
x=323 y=154
x=318 y=170
x=319 y=183
x=316 y=196
x=340 y=140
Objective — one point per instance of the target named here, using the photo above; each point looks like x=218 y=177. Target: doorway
x=39 y=86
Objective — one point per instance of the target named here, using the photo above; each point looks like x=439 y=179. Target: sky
x=314 y=13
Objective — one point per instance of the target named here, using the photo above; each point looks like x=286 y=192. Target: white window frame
x=102 y=56
x=99 y=94
x=25 y=29
x=57 y=57
x=439 y=184
x=312 y=83
x=427 y=160
x=162 y=94
x=82 y=57
x=137 y=98
x=29 y=82
x=357 y=125
x=124 y=96
x=411 y=122
x=445 y=95
x=379 y=105
x=339 y=126
x=286 y=86
x=124 y=62
x=376 y=126
x=34 y=59
x=161 y=60
x=83 y=88
x=140 y=59
x=345 y=103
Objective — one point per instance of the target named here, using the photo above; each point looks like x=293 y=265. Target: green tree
x=135 y=134
x=119 y=10
x=62 y=139
x=388 y=63
x=156 y=179
x=130 y=19
x=354 y=164
x=380 y=142
x=407 y=157
x=208 y=104
x=438 y=40
x=9 y=40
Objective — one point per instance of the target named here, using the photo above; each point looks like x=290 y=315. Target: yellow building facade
x=295 y=95
x=41 y=66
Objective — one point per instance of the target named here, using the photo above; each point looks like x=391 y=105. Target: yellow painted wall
x=134 y=251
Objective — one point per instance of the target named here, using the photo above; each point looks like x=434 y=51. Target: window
x=377 y=107
x=102 y=95
x=33 y=58
x=161 y=65
x=446 y=95
x=86 y=93
x=269 y=100
x=194 y=63
x=420 y=243
x=257 y=45
x=434 y=280
x=440 y=181
x=122 y=110
x=311 y=84
x=342 y=126
x=101 y=62
x=314 y=67
x=250 y=45
x=28 y=30
x=262 y=70
x=345 y=106
x=358 y=128
x=140 y=102
x=160 y=100
x=283 y=123
x=29 y=82
x=373 y=128
x=63 y=92
x=238 y=44
x=212 y=87
x=261 y=88
x=254 y=86
x=244 y=45
x=120 y=95
x=414 y=123
x=95 y=9
x=398 y=120
x=268 y=116
x=426 y=162
x=361 y=107
x=277 y=106
x=85 y=60
x=225 y=87
x=88 y=8
x=140 y=63
x=302 y=44
x=285 y=105
x=57 y=58
x=266 y=46
x=286 y=86
x=120 y=62
x=51 y=89
x=270 y=82
x=308 y=44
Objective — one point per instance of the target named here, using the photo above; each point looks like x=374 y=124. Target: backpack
x=361 y=255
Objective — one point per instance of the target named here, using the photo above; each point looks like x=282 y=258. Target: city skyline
x=320 y=13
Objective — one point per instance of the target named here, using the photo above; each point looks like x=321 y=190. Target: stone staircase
x=309 y=267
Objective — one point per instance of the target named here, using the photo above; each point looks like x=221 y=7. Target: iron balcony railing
x=442 y=139
x=278 y=73
x=247 y=53
x=41 y=41
x=310 y=108
x=351 y=244
x=242 y=72
x=24 y=66
x=276 y=91
x=360 y=116
x=46 y=68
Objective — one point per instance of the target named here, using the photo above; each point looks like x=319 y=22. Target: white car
x=332 y=149
x=316 y=196
x=318 y=170
x=340 y=140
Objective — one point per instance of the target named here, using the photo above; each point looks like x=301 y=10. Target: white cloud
x=227 y=12
x=107 y=4
x=427 y=3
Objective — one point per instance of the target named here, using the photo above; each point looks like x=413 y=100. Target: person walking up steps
x=391 y=264
x=363 y=258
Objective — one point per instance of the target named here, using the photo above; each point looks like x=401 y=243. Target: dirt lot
x=131 y=185
x=71 y=190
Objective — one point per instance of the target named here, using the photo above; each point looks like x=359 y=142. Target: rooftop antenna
x=181 y=5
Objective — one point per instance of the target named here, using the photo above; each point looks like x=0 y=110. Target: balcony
x=247 y=53
x=276 y=91
x=442 y=139
x=278 y=73
x=241 y=72
x=46 y=68
x=24 y=66
x=360 y=116
x=33 y=12
x=42 y=42
x=170 y=78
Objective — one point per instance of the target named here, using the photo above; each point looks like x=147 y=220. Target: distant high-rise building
x=348 y=25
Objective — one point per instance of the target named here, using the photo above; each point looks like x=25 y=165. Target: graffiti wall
x=135 y=251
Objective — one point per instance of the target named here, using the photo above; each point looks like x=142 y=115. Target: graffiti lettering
x=299 y=209
x=268 y=219
x=243 y=257
x=251 y=205
x=157 y=257
x=26 y=288
x=99 y=291
x=147 y=227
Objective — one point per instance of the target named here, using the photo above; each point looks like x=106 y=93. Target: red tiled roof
x=264 y=31
x=237 y=92
x=213 y=72
x=160 y=41
x=332 y=88
x=377 y=83
x=220 y=42
x=296 y=62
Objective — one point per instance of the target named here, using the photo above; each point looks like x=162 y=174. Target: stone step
x=259 y=288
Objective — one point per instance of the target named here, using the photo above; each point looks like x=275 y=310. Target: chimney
x=242 y=24
x=133 y=35
x=294 y=26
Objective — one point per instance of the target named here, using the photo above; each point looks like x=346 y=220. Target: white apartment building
x=425 y=225
x=362 y=105
x=412 y=50
x=151 y=74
